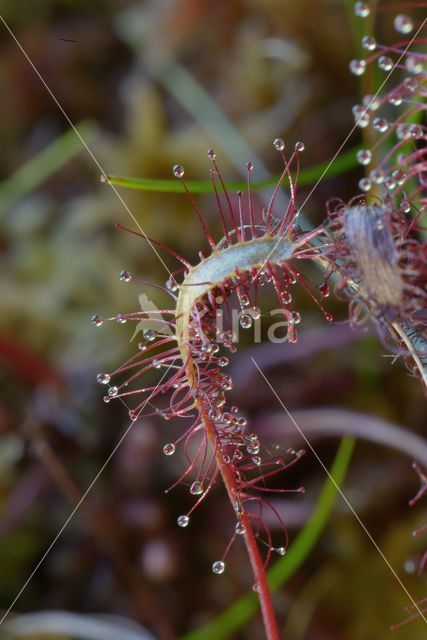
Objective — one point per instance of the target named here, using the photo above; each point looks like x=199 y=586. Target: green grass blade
x=45 y=164
x=227 y=623
x=345 y=162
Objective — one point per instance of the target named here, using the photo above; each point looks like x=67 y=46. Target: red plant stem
x=258 y=568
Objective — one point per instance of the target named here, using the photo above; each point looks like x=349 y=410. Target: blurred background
x=149 y=84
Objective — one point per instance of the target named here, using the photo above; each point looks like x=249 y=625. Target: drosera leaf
x=233 y=618
x=42 y=166
x=345 y=162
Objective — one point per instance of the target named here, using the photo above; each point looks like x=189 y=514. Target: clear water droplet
x=240 y=528
x=414 y=64
x=245 y=321
x=244 y=300
x=249 y=166
x=369 y=43
x=405 y=206
x=125 y=276
x=362 y=9
x=103 y=378
x=299 y=147
x=324 y=290
x=223 y=361
x=403 y=23
x=149 y=334
x=211 y=154
x=197 y=488
x=255 y=313
x=286 y=297
x=385 y=63
x=257 y=460
x=280 y=550
x=106 y=399
x=97 y=321
x=253 y=449
x=365 y=184
x=371 y=102
x=169 y=449
x=395 y=99
x=381 y=125
x=183 y=521
x=377 y=176
x=178 y=171
x=121 y=319
x=357 y=67
x=295 y=317
x=279 y=144
x=364 y=156
x=113 y=391
x=362 y=119
x=218 y=567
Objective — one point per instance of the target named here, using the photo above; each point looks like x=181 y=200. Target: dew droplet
x=371 y=102
x=405 y=206
x=249 y=166
x=403 y=132
x=169 y=449
x=113 y=391
x=324 y=290
x=395 y=99
x=223 y=361
x=362 y=120
x=280 y=550
x=411 y=84
x=178 y=171
x=240 y=528
x=106 y=399
x=381 y=125
x=245 y=321
x=357 y=67
x=133 y=415
x=403 y=23
x=390 y=183
x=142 y=346
x=295 y=317
x=365 y=184
x=255 y=313
x=364 y=156
x=218 y=567
x=279 y=144
x=299 y=146
x=256 y=460
x=377 y=176
x=121 y=319
x=97 y=321
x=286 y=297
x=183 y=521
x=245 y=300
x=414 y=64
x=211 y=154
x=253 y=449
x=385 y=63
x=197 y=488
x=149 y=334
x=103 y=378
x=369 y=43
x=125 y=276
x=362 y=9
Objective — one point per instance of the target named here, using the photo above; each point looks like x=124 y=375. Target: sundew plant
x=242 y=302
x=371 y=251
